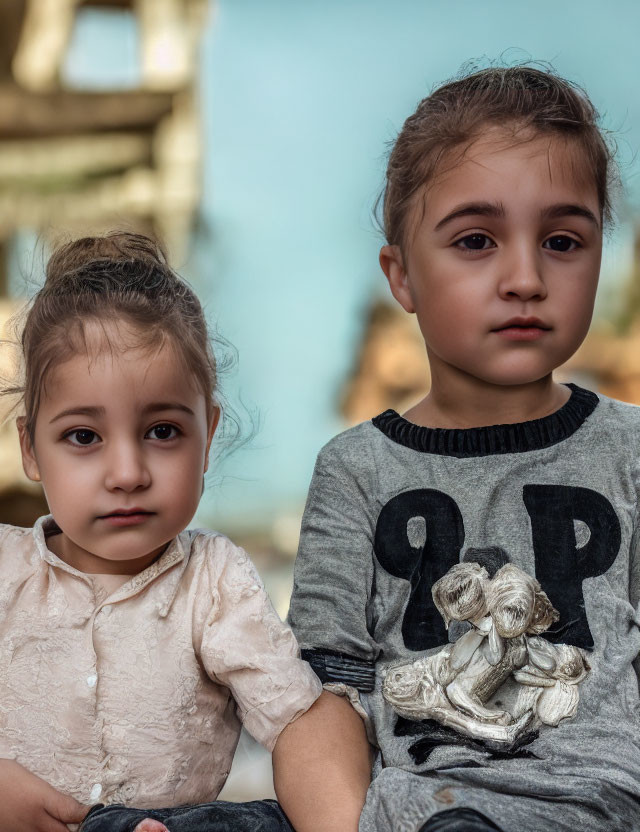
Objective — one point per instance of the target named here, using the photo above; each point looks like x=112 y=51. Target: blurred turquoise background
x=300 y=100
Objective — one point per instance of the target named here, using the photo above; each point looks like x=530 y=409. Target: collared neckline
x=175 y=553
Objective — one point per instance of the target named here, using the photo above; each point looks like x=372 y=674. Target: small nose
x=126 y=468
x=522 y=278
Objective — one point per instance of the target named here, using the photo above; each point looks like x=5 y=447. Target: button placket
x=98 y=618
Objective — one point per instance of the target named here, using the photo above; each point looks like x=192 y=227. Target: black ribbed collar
x=493 y=439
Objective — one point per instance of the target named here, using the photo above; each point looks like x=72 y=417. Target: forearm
x=322 y=767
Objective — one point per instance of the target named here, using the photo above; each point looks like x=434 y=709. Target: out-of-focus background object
x=250 y=135
x=83 y=158
x=75 y=161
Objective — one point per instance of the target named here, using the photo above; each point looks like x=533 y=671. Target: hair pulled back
x=523 y=97
x=120 y=277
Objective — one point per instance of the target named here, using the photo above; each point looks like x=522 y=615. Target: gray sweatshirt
x=392 y=506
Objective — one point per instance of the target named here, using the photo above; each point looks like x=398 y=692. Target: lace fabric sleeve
x=247 y=648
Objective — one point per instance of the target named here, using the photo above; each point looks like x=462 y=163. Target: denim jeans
x=219 y=816
x=459 y=820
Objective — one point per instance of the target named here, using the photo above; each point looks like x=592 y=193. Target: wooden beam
x=118 y=4
x=46 y=32
x=11 y=19
x=4 y=269
x=24 y=115
x=54 y=158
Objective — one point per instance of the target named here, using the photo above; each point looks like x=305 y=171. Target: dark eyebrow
x=79 y=411
x=154 y=407
x=556 y=212
x=484 y=209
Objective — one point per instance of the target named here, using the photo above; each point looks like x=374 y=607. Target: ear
x=392 y=264
x=213 y=424
x=29 y=462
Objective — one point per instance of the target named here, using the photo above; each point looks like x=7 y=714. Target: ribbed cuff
x=332 y=666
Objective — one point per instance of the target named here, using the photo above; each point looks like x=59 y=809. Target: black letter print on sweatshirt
x=560 y=565
x=419 y=536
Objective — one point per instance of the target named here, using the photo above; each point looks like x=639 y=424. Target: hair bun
x=117 y=247
x=118 y=277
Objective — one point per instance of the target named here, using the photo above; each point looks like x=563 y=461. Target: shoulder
x=618 y=419
x=218 y=556
x=610 y=439
x=212 y=545
x=8 y=532
x=19 y=558
x=356 y=450
x=615 y=434
x=626 y=410
x=16 y=538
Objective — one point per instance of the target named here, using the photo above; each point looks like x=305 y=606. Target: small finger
x=65 y=809
x=149 y=825
x=50 y=824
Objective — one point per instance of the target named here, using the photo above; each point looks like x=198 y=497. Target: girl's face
x=121 y=445
x=503 y=265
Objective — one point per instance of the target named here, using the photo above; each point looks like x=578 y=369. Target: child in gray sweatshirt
x=512 y=494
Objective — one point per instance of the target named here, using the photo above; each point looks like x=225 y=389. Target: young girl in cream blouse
x=132 y=650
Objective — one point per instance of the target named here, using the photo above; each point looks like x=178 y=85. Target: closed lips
x=126 y=512
x=522 y=323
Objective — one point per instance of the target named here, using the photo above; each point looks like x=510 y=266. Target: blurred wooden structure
x=611 y=354
x=21 y=501
x=77 y=161
x=77 y=158
x=390 y=367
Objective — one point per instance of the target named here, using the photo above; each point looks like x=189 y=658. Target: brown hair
x=119 y=277
x=521 y=97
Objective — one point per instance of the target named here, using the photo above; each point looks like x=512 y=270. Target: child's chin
x=517 y=373
x=513 y=379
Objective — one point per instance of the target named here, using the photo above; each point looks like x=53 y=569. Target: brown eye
x=163 y=432
x=82 y=437
x=474 y=242
x=561 y=242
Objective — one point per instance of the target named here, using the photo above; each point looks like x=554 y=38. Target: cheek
x=449 y=316
x=178 y=488
x=67 y=489
x=576 y=301
x=181 y=473
x=63 y=475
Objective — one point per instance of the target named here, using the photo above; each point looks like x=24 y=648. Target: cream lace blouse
x=137 y=696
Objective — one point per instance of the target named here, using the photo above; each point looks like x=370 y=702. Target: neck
x=91 y=564
x=467 y=402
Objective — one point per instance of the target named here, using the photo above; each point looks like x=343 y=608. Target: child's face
x=119 y=430
x=503 y=266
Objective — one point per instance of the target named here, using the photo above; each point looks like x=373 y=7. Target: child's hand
x=28 y=804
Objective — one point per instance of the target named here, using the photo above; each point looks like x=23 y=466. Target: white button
x=91 y=680
x=96 y=791
x=106 y=609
